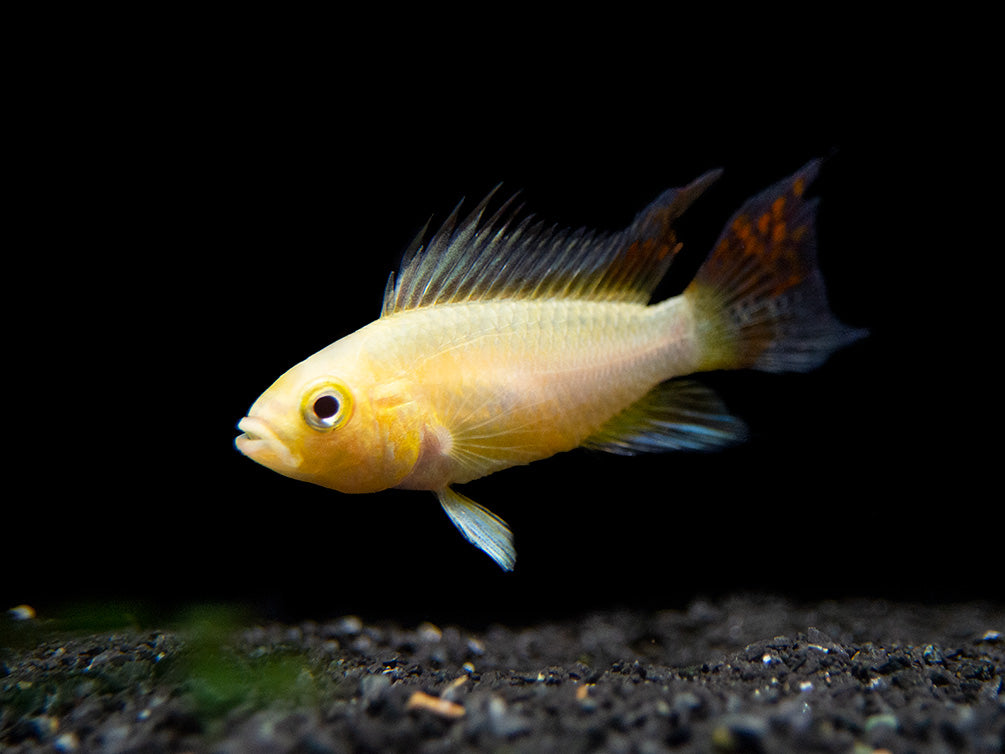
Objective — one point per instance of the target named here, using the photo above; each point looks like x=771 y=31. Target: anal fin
x=480 y=527
x=675 y=415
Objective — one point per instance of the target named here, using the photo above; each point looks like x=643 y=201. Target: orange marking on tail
x=769 y=238
x=778 y=233
x=798 y=186
x=741 y=226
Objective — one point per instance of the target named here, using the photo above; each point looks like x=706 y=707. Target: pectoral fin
x=480 y=527
x=675 y=415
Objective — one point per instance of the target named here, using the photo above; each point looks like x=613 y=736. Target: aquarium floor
x=742 y=673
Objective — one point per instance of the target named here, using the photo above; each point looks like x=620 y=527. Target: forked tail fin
x=759 y=298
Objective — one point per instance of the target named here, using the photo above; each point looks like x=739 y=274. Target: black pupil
x=326 y=406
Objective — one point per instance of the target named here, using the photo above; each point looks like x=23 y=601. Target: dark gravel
x=744 y=673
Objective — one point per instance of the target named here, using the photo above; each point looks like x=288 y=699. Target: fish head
x=330 y=424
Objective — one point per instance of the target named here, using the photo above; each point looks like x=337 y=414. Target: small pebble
x=67 y=742
x=22 y=612
x=452 y=691
x=429 y=632
x=372 y=688
x=739 y=732
x=932 y=655
x=440 y=707
x=884 y=720
x=348 y=625
x=475 y=646
x=502 y=722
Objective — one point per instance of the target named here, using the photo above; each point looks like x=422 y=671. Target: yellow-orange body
x=467 y=389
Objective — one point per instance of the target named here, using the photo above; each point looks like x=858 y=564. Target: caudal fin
x=759 y=298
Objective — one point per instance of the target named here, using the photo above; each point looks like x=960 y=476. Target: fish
x=504 y=340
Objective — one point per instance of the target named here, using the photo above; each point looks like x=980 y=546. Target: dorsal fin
x=505 y=257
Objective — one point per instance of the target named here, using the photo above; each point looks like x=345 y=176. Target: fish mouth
x=260 y=443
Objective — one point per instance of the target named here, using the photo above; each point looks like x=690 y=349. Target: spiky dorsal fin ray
x=507 y=258
x=480 y=526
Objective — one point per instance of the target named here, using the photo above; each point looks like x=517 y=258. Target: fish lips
x=261 y=444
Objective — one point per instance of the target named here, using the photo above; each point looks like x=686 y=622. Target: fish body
x=502 y=343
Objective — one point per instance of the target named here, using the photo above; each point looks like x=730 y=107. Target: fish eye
x=327 y=406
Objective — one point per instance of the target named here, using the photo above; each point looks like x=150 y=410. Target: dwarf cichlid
x=503 y=341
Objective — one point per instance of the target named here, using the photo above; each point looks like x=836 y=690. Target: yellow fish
x=504 y=341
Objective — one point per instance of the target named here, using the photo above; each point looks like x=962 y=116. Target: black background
x=186 y=229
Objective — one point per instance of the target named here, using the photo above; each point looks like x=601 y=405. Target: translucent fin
x=480 y=527
x=675 y=415
x=502 y=258
x=760 y=299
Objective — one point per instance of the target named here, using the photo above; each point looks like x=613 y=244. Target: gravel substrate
x=744 y=673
